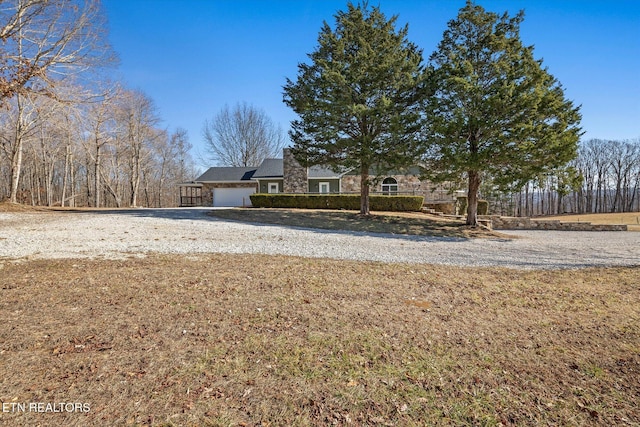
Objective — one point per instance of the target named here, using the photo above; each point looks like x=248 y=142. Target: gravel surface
x=118 y=234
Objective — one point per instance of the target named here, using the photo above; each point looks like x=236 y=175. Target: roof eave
x=248 y=181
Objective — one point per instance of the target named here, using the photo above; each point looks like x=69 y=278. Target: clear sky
x=194 y=56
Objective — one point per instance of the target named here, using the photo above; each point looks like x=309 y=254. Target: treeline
x=603 y=178
x=106 y=153
x=68 y=136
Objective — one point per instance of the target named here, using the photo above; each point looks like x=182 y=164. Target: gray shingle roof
x=319 y=171
x=217 y=174
x=270 y=168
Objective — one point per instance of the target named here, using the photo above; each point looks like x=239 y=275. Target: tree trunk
x=67 y=155
x=160 y=190
x=559 y=206
x=135 y=176
x=135 y=184
x=16 y=155
x=72 y=187
x=88 y=181
x=96 y=189
x=364 y=190
x=145 y=181
x=16 y=164
x=472 y=198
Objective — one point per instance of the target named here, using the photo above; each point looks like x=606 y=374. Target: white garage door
x=232 y=196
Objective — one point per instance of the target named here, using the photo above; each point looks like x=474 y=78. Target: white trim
x=325 y=184
x=227 y=182
x=273 y=186
x=389 y=188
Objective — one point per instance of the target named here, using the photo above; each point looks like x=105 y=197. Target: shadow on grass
x=385 y=223
x=166 y=213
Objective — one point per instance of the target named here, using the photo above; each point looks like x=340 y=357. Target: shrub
x=445 y=208
x=483 y=207
x=396 y=203
x=336 y=201
x=461 y=205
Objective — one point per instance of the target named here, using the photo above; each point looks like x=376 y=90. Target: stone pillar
x=295 y=176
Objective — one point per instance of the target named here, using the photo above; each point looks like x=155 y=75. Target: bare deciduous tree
x=92 y=153
x=100 y=123
x=181 y=147
x=242 y=136
x=604 y=178
x=137 y=116
x=42 y=41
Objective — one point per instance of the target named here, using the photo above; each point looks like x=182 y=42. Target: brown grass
x=256 y=340
x=632 y=219
x=6 y=206
x=411 y=223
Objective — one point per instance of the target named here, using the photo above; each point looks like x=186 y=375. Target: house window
x=389 y=186
x=273 y=188
x=323 y=187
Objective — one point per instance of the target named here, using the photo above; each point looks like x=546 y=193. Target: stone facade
x=350 y=184
x=524 y=223
x=294 y=175
x=407 y=184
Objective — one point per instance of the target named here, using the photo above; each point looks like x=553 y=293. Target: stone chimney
x=295 y=176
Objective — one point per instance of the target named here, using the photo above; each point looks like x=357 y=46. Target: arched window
x=389 y=186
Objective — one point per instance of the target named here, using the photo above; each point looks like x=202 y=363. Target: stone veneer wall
x=518 y=223
x=350 y=184
x=295 y=176
x=406 y=184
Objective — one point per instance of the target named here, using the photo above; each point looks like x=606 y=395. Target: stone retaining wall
x=517 y=223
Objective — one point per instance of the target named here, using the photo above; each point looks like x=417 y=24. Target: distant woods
x=69 y=136
x=603 y=178
x=106 y=153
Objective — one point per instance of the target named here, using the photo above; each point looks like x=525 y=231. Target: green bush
x=396 y=203
x=337 y=201
x=445 y=208
x=483 y=207
x=461 y=204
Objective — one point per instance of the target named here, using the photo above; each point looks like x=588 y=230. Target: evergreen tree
x=496 y=111
x=361 y=100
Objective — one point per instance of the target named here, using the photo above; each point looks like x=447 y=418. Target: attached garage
x=232 y=197
x=221 y=187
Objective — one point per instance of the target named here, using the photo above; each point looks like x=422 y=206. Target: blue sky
x=194 y=56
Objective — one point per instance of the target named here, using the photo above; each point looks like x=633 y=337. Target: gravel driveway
x=117 y=234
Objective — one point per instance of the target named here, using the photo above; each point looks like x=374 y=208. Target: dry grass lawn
x=632 y=219
x=234 y=340
x=17 y=207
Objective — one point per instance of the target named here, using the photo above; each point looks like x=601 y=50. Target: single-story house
x=232 y=186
